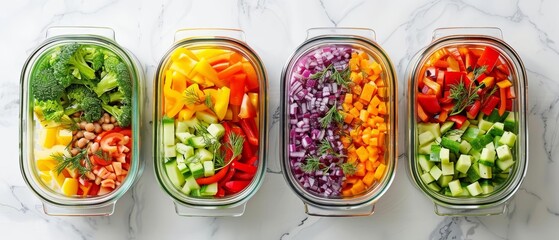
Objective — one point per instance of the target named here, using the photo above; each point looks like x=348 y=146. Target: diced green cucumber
x=192 y=123
x=435 y=153
x=504 y=164
x=497 y=129
x=195 y=193
x=510 y=122
x=447 y=168
x=180 y=158
x=183 y=169
x=490 y=146
x=426 y=149
x=494 y=116
x=486 y=186
x=503 y=152
x=425 y=164
x=481 y=141
x=465 y=147
x=209 y=190
x=465 y=192
x=463 y=164
x=474 y=189
x=208 y=168
x=434 y=128
x=184 y=136
x=444 y=155
x=450 y=144
x=425 y=138
x=508 y=139
x=500 y=178
x=206 y=117
x=484 y=125
x=197 y=142
x=496 y=141
x=181 y=127
x=197 y=169
x=475 y=153
x=435 y=172
x=444 y=180
x=447 y=192
x=170 y=151
x=175 y=176
x=184 y=149
x=168 y=125
x=487 y=157
x=169 y=159
x=434 y=186
x=216 y=130
x=446 y=126
x=465 y=125
x=455 y=187
x=473 y=122
x=204 y=155
x=485 y=171
x=470 y=134
x=427 y=178
x=190 y=186
x=461 y=175
x=473 y=172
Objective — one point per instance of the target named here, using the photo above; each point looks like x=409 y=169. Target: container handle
x=75 y=30
x=496 y=210
x=341 y=211
x=190 y=211
x=490 y=31
x=209 y=32
x=363 y=32
x=57 y=210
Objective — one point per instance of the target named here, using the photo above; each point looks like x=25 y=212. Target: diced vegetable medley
x=466 y=130
x=82 y=102
x=210 y=121
x=337 y=121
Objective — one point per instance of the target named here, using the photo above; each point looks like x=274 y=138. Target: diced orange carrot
x=369 y=178
x=363 y=115
x=380 y=171
x=348 y=118
x=354 y=112
x=368 y=92
x=360 y=170
x=358 y=105
x=358 y=187
x=348 y=98
x=362 y=153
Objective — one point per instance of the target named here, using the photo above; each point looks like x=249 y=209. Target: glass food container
x=60 y=200
x=205 y=68
x=339 y=122
x=498 y=172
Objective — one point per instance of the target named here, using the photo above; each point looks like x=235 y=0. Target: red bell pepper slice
x=220 y=192
x=440 y=78
x=456 y=55
x=227 y=177
x=101 y=135
x=244 y=167
x=249 y=127
x=236 y=186
x=509 y=105
x=248 y=152
x=430 y=103
x=446 y=98
x=489 y=105
x=503 y=105
x=453 y=78
x=459 y=120
x=108 y=142
x=432 y=85
x=243 y=176
x=215 y=178
x=441 y=64
x=247 y=109
x=488 y=58
x=502 y=67
x=510 y=92
x=237 y=89
x=252 y=160
x=470 y=62
x=473 y=110
x=421 y=114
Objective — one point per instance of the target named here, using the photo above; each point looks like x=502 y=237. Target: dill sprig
x=191 y=97
x=324 y=147
x=348 y=168
x=74 y=162
x=235 y=144
x=333 y=115
x=208 y=101
x=312 y=164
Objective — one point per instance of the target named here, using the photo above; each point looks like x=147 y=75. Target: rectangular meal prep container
x=297 y=152
x=55 y=203
x=186 y=204
x=494 y=202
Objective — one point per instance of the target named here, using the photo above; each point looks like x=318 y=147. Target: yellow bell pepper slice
x=222 y=102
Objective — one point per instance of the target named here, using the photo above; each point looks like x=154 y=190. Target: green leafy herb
x=333 y=115
x=464 y=96
x=74 y=162
x=478 y=71
x=191 y=97
x=341 y=78
x=348 y=168
x=236 y=144
x=312 y=164
x=322 y=73
x=208 y=101
x=219 y=159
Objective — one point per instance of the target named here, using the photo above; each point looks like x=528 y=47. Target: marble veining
x=274 y=28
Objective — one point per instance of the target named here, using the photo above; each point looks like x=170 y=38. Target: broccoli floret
x=84 y=99
x=70 y=62
x=51 y=110
x=122 y=113
x=45 y=86
x=117 y=77
x=94 y=57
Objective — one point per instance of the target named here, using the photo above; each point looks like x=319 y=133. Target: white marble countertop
x=274 y=29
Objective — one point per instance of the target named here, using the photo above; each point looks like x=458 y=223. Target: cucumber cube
x=486 y=186
x=197 y=169
x=425 y=138
x=190 y=185
x=424 y=162
x=427 y=178
x=168 y=125
x=434 y=186
x=208 y=168
x=180 y=158
x=436 y=172
x=470 y=134
x=444 y=155
x=474 y=189
x=463 y=164
x=465 y=125
x=170 y=151
x=204 y=155
x=465 y=192
x=446 y=126
x=444 y=180
x=497 y=129
x=206 y=117
x=510 y=122
x=465 y=147
x=504 y=164
x=484 y=125
x=447 y=168
x=192 y=123
x=490 y=146
x=197 y=142
x=181 y=127
x=209 y=190
x=485 y=171
x=434 y=128
x=175 y=176
x=184 y=149
x=487 y=157
x=184 y=136
x=183 y=169
x=216 y=130
x=452 y=145
x=503 y=152
x=508 y=139
x=455 y=187
x=435 y=153
x=426 y=149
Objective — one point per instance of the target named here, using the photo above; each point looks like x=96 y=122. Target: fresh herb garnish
x=312 y=164
x=341 y=78
x=464 y=96
x=192 y=97
x=478 y=71
x=219 y=159
x=235 y=144
x=322 y=73
x=74 y=162
x=324 y=147
x=333 y=115
x=348 y=168
x=208 y=101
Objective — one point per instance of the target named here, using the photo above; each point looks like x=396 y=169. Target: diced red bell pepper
x=473 y=110
x=509 y=105
x=488 y=58
x=489 y=105
x=453 y=78
x=502 y=67
x=456 y=55
x=446 y=98
x=429 y=103
x=243 y=176
x=244 y=167
x=101 y=135
x=247 y=109
x=220 y=192
x=470 y=61
x=448 y=106
x=441 y=64
x=215 y=178
x=236 y=186
x=458 y=120
x=237 y=89
x=421 y=114
x=510 y=93
x=249 y=127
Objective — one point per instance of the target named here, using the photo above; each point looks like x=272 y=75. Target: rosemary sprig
x=478 y=71
x=464 y=96
x=322 y=73
x=341 y=78
x=333 y=115
x=74 y=162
